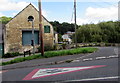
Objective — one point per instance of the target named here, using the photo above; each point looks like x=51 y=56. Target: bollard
x=29 y=52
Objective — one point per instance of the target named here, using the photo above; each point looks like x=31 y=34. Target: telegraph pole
x=41 y=29
x=75 y=23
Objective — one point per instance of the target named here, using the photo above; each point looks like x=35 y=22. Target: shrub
x=108 y=44
x=64 y=46
x=46 y=48
x=97 y=44
x=13 y=54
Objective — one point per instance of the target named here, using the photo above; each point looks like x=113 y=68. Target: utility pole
x=75 y=23
x=41 y=29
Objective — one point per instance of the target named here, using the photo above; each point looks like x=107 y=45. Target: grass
x=52 y=54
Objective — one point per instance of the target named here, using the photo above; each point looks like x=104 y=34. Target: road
x=99 y=66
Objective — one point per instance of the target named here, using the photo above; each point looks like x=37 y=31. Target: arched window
x=30 y=18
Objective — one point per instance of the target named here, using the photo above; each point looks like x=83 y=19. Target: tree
x=5 y=19
x=62 y=28
x=59 y=37
x=108 y=32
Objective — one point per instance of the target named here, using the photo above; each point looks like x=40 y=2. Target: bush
x=13 y=54
x=58 y=47
x=64 y=46
x=108 y=44
x=97 y=44
x=46 y=48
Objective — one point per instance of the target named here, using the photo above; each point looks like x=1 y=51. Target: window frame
x=47 y=27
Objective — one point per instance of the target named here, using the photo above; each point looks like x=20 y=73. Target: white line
x=113 y=56
x=87 y=59
x=75 y=60
x=100 y=57
x=91 y=79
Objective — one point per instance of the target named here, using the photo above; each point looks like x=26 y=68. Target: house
x=67 y=37
x=55 y=37
x=18 y=33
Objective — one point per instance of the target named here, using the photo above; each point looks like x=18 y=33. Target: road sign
x=44 y=72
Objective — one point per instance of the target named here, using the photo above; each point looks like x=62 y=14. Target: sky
x=88 y=11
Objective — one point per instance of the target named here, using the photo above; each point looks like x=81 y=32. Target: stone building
x=18 y=33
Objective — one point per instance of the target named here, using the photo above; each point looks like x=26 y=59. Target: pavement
x=9 y=59
x=43 y=61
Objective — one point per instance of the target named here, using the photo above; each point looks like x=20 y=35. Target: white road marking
x=75 y=60
x=40 y=73
x=87 y=59
x=100 y=57
x=113 y=56
x=91 y=79
x=47 y=72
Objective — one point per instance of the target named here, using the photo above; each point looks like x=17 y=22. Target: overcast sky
x=88 y=11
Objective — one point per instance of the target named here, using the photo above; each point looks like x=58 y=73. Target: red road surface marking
x=44 y=72
x=3 y=71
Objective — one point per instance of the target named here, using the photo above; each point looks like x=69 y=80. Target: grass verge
x=52 y=54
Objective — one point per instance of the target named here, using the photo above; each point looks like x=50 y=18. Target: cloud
x=44 y=13
x=110 y=13
x=70 y=0
x=7 y=5
x=14 y=14
x=95 y=15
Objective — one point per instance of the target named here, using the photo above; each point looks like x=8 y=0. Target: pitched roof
x=24 y=9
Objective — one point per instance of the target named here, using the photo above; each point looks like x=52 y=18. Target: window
x=27 y=37
x=47 y=29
